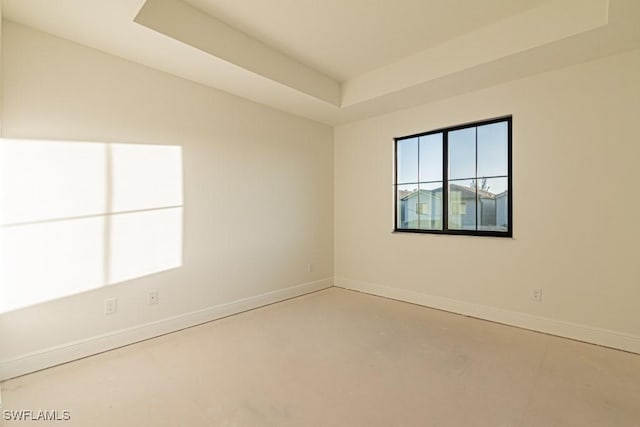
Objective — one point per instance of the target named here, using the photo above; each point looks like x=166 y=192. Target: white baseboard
x=67 y=352
x=52 y=356
x=608 y=338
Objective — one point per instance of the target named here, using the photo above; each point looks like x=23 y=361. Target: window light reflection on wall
x=79 y=215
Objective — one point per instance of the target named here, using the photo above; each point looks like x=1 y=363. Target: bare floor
x=341 y=358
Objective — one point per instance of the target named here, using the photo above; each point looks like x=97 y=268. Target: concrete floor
x=341 y=358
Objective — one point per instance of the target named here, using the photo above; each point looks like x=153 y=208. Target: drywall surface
x=258 y=186
x=575 y=162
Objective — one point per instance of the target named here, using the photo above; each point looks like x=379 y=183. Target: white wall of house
x=233 y=150
x=574 y=136
x=502 y=209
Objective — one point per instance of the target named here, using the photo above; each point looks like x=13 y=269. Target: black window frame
x=445 y=181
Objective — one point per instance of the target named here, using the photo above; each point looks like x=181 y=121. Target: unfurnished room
x=319 y=213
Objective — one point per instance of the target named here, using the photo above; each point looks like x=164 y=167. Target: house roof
x=405 y=195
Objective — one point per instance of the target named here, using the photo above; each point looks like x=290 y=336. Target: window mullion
x=476 y=180
x=445 y=181
x=418 y=205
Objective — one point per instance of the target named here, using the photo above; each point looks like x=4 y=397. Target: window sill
x=500 y=234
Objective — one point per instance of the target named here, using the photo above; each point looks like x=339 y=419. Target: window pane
x=407 y=205
x=144 y=243
x=462 y=153
x=41 y=262
x=429 y=208
x=42 y=180
x=146 y=176
x=462 y=205
x=431 y=157
x=492 y=149
x=407 y=160
x=493 y=196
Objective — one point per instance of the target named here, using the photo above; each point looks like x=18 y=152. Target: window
x=78 y=215
x=455 y=180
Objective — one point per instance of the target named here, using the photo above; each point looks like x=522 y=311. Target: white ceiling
x=336 y=61
x=346 y=38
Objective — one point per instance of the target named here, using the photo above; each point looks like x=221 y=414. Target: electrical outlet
x=310 y=267
x=152 y=297
x=536 y=294
x=110 y=306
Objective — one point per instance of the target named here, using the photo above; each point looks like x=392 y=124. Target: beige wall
x=233 y=151
x=576 y=228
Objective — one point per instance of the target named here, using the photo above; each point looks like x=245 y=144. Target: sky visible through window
x=427 y=166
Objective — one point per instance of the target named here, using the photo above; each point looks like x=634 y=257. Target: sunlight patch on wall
x=145 y=177
x=48 y=260
x=153 y=239
x=47 y=180
x=79 y=215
